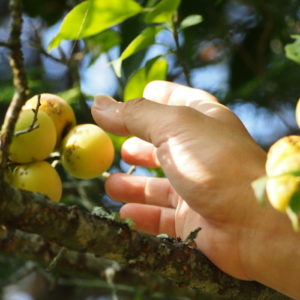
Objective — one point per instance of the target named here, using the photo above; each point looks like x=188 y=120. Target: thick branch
x=82 y=265
x=34 y=247
x=78 y=230
x=19 y=78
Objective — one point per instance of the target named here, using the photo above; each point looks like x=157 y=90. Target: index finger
x=179 y=95
x=176 y=94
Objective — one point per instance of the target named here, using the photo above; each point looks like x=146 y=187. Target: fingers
x=140 y=189
x=176 y=94
x=138 y=152
x=151 y=219
x=150 y=121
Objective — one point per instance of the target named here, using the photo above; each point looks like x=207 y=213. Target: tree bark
x=81 y=231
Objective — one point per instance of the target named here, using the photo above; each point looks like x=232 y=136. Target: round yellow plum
x=36 y=144
x=58 y=110
x=87 y=151
x=281 y=189
x=39 y=177
x=279 y=152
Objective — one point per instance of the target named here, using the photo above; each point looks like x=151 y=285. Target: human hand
x=209 y=161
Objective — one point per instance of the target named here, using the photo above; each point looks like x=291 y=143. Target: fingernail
x=103 y=102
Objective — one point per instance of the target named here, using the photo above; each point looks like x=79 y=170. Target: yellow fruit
x=279 y=151
x=289 y=164
x=87 y=151
x=36 y=144
x=39 y=177
x=281 y=189
x=298 y=112
x=58 y=109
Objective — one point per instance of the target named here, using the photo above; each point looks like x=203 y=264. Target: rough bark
x=82 y=268
x=78 y=230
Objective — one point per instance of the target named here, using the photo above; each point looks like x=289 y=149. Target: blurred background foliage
x=237 y=53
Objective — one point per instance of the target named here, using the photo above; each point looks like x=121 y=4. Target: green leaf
x=189 y=21
x=102 y=43
x=259 y=187
x=71 y=95
x=294 y=203
x=145 y=39
x=162 y=12
x=292 y=50
x=94 y=16
x=155 y=69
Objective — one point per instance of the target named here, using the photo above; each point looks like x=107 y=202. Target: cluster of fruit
x=47 y=125
x=283 y=174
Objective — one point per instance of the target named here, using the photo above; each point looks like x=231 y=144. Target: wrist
x=271 y=252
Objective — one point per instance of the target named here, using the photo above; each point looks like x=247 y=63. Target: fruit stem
x=32 y=126
x=131 y=170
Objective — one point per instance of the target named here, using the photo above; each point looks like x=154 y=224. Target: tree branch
x=78 y=230
x=4 y=44
x=19 y=79
x=85 y=266
x=34 y=247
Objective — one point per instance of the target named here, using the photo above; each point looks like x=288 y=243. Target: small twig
x=178 y=49
x=32 y=126
x=189 y=241
x=5 y=44
x=56 y=259
x=36 y=43
x=61 y=60
x=131 y=170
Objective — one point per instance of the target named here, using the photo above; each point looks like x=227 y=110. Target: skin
x=210 y=162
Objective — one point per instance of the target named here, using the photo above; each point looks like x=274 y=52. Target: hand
x=209 y=161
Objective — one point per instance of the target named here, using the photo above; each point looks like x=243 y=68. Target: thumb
x=148 y=120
